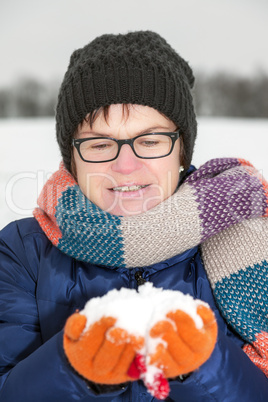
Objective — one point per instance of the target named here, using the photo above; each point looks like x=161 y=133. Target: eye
x=98 y=144
x=148 y=141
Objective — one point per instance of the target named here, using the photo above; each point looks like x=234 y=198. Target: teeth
x=128 y=188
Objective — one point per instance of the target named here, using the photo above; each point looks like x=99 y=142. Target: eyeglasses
x=145 y=146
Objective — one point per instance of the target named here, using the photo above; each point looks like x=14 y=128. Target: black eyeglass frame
x=174 y=135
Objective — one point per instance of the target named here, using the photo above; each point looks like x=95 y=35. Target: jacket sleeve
x=228 y=375
x=30 y=370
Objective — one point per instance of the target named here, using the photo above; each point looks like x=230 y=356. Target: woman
x=126 y=207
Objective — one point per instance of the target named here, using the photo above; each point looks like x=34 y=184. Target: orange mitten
x=185 y=342
x=101 y=353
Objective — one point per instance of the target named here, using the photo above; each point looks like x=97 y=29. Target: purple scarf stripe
x=226 y=199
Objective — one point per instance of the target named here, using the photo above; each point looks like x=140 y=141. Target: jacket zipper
x=139 y=278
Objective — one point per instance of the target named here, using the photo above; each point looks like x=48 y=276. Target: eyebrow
x=147 y=130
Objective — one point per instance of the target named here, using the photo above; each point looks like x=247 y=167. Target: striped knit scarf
x=222 y=206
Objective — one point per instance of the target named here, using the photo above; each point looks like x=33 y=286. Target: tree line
x=224 y=94
x=218 y=94
x=28 y=97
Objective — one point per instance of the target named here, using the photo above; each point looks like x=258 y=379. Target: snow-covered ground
x=29 y=153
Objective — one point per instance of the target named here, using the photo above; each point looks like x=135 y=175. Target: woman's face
x=115 y=186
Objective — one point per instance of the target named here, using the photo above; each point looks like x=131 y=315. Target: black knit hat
x=136 y=68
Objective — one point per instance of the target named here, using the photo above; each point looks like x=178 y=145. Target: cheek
x=175 y=166
x=167 y=172
x=170 y=179
x=89 y=178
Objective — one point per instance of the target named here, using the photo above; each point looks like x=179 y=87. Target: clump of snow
x=138 y=311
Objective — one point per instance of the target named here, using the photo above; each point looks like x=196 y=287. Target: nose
x=126 y=162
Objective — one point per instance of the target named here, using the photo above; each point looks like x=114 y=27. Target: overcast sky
x=38 y=36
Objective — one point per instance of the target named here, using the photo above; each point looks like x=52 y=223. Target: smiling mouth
x=125 y=189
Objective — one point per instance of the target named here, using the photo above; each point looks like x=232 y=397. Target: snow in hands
x=137 y=312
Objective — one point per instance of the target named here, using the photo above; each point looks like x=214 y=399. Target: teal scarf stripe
x=88 y=233
x=242 y=299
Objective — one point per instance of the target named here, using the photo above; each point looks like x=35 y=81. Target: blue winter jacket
x=40 y=287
